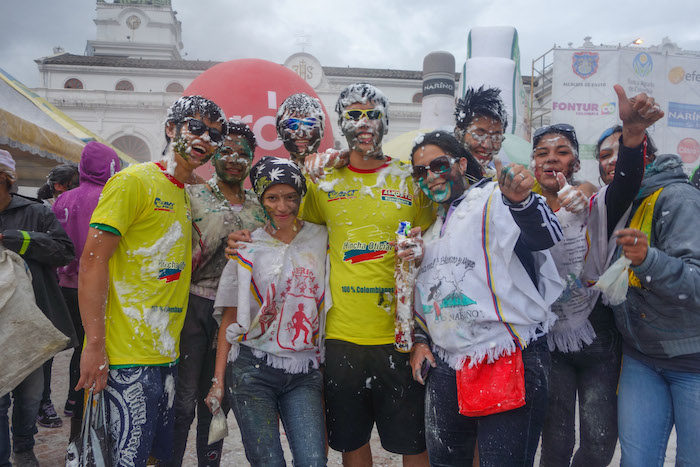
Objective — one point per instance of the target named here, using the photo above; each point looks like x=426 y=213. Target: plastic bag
x=615 y=281
x=489 y=388
x=27 y=337
x=218 y=429
x=93 y=446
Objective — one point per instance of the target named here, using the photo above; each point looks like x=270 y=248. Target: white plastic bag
x=218 y=429
x=615 y=281
x=93 y=447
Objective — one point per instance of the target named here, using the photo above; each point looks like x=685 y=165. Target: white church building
x=133 y=71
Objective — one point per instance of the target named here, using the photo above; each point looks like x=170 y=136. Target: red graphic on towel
x=298 y=319
x=297 y=315
x=268 y=313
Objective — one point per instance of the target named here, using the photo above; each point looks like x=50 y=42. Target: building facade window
x=124 y=85
x=175 y=87
x=73 y=83
x=133 y=146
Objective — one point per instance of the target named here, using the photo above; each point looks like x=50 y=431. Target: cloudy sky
x=394 y=34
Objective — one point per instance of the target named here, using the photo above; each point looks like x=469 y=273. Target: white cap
x=7 y=163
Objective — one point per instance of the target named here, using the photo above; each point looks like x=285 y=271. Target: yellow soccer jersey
x=149 y=274
x=362 y=210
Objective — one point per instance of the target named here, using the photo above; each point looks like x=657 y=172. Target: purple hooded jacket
x=73 y=208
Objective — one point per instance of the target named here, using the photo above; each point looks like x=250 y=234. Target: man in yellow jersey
x=134 y=284
x=367 y=381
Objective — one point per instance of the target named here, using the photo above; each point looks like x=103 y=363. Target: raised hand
x=515 y=181
x=637 y=114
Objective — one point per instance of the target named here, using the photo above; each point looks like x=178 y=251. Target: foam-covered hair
x=362 y=93
x=480 y=102
x=189 y=106
x=301 y=104
x=237 y=127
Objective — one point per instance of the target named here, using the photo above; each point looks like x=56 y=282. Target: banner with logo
x=583 y=96
x=682 y=120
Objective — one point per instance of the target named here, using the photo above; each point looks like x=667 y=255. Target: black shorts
x=367 y=384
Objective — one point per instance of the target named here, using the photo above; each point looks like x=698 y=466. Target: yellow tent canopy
x=38 y=135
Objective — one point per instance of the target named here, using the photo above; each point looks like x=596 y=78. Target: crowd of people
x=183 y=296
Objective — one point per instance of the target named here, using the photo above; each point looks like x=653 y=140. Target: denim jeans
x=195 y=371
x=505 y=439
x=27 y=397
x=593 y=373
x=261 y=395
x=650 y=402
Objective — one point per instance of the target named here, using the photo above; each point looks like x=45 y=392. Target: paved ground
x=51 y=443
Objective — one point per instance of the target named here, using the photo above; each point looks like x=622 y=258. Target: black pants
x=70 y=295
x=593 y=373
x=195 y=371
x=506 y=439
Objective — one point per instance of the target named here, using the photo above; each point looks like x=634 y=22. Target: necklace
x=213 y=184
x=274 y=233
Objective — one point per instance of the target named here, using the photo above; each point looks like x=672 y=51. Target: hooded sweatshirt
x=73 y=208
x=660 y=321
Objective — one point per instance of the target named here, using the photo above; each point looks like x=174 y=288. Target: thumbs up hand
x=570 y=198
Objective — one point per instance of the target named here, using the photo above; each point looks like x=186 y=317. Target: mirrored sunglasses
x=294 y=123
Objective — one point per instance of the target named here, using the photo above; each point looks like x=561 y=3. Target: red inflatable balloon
x=251 y=90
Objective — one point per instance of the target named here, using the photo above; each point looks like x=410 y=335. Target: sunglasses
x=198 y=128
x=494 y=137
x=561 y=128
x=357 y=114
x=294 y=123
x=438 y=166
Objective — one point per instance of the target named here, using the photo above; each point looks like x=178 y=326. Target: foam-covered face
x=194 y=150
x=281 y=203
x=553 y=153
x=607 y=160
x=479 y=138
x=300 y=134
x=364 y=135
x=444 y=187
x=232 y=162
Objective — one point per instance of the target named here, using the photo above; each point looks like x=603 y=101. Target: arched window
x=175 y=87
x=417 y=98
x=124 y=85
x=73 y=83
x=133 y=146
